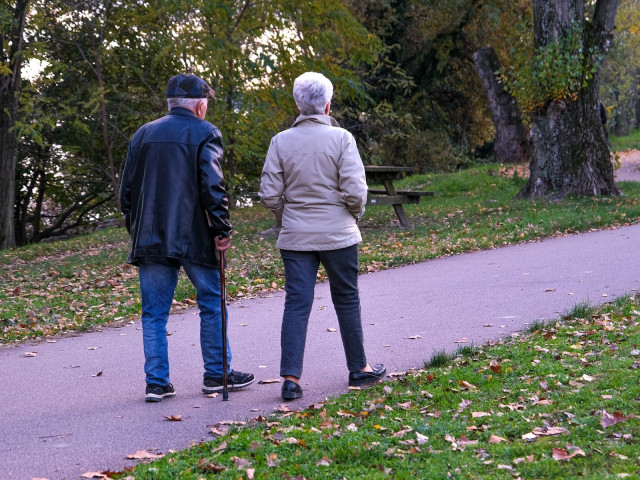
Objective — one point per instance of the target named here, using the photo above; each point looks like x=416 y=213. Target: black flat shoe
x=359 y=379
x=291 y=390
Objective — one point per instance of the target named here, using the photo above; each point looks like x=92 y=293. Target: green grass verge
x=560 y=402
x=84 y=282
x=630 y=142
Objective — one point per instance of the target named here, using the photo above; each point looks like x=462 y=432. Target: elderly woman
x=314 y=180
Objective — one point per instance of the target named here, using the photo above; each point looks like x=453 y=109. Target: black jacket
x=172 y=193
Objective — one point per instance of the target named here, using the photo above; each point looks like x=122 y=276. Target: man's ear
x=327 y=108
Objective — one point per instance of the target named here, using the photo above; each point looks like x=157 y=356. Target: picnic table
x=385 y=175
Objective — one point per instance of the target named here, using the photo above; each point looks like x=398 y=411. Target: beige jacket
x=314 y=178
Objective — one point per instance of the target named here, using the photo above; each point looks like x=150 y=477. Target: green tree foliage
x=251 y=52
x=429 y=110
x=620 y=84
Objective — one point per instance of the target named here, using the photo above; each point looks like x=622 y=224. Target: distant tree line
x=78 y=77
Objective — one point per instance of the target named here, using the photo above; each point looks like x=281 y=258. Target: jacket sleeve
x=272 y=181
x=213 y=194
x=353 y=182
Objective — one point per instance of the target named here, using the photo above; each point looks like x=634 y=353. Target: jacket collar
x=181 y=111
x=324 y=119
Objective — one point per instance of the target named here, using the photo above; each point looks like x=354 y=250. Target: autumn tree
x=558 y=84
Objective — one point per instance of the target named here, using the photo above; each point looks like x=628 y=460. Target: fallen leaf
x=87 y=475
x=496 y=439
x=422 y=439
x=325 y=462
x=462 y=340
x=222 y=446
x=465 y=384
x=144 y=455
x=283 y=408
x=269 y=380
x=241 y=463
x=415 y=337
x=99 y=374
x=561 y=454
x=530 y=437
x=549 y=431
x=30 y=354
x=174 y=418
x=480 y=414
x=213 y=395
x=405 y=405
x=609 y=420
x=251 y=471
x=206 y=466
x=331 y=329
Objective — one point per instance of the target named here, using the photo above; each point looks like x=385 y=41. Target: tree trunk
x=636 y=102
x=9 y=88
x=511 y=144
x=570 y=152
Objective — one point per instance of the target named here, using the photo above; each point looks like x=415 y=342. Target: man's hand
x=223 y=243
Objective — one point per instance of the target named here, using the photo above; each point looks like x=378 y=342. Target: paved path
x=59 y=418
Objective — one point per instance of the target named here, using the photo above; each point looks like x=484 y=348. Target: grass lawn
x=84 y=282
x=561 y=401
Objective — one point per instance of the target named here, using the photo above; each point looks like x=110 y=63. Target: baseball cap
x=187 y=85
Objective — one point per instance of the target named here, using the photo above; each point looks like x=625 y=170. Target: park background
x=78 y=78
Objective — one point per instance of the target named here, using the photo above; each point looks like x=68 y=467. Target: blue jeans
x=158 y=280
x=301 y=269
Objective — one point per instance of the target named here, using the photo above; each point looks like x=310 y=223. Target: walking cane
x=223 y=302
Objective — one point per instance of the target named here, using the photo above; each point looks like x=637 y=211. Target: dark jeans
x=301 y=269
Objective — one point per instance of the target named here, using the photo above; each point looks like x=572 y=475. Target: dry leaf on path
x=144 y=455
x=104 y=476
x=174 y=418
x=269 y=380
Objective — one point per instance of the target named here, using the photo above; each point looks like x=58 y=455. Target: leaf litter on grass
x=550 y=410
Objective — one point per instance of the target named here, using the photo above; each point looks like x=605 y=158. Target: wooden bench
x=381 y=197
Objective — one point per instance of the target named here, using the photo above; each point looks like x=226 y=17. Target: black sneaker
x=235 y=381
x=155 y=393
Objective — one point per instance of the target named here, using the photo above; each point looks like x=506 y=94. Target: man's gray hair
x=190 y=103
x=312 y=91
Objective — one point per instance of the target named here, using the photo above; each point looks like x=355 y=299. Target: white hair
x=312 y=91
x=190 y=103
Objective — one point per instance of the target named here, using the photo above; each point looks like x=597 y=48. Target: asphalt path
x=78 y=404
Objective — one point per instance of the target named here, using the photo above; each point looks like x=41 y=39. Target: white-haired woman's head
x=312 y=91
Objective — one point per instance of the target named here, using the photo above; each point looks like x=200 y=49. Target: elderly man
x=176 y=209
x=314 y=179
